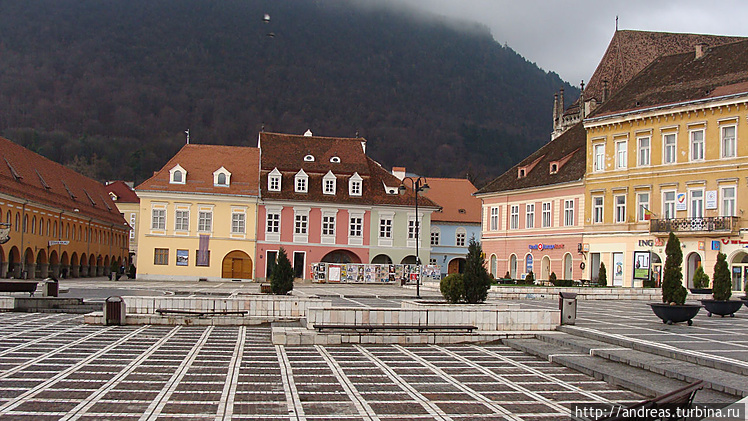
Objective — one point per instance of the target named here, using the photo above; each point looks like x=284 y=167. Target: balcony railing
x=727 y=224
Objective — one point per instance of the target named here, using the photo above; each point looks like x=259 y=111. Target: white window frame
x=668 y=206
x=301 y=225
x=327 y=232
x=529 y=215
x=598 y=209
x=569 y=213
x=622 y=154
x=692 y=145
x=384 y=229
x=547 y=214
x=696 y=212
x=238 y=222
x=204 y=220
x=461 y=237
x=329 y=184
x=642 y=205
x=182 y=223
x=598 y=157
x=274 y=180
x=644 y=153
x=435 y=236
x=217 y=174
x=494 y=221
x=619 y=207
x=514 y=217
x=673 y=148
x=728 y=145
x=173 y=171
x=355 y=228
x=158 y=219
x=726 y=202
x=355 y=185
x=301 y=182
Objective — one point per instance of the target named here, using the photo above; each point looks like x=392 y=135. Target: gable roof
x=124 y=193
x=28 y=175
x=454 y=195
x=200 y=161
x=570 y=146
x=723 y=70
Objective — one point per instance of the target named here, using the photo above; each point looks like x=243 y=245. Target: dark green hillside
x=109 y=86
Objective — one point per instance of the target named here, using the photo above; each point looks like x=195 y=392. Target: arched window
x=493 y=265
x=67 y=231
x=222 y=179
x=18 y=221
x=177 y=176
x=33 y=225
x=54 y=229
x=47 y=232
x=7 y=218
x=25 y=223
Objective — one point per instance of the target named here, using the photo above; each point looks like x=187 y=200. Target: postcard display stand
x=372 y=273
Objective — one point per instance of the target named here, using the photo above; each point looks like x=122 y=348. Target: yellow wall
x=222 y=240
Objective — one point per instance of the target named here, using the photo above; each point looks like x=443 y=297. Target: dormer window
x=355 y=185
x=274 y=180
x=329 y=183
x=335 y=160
x=301 y=182
x=554 y=167
x=222 y=177
x=522 y=172
x=309 y=158
x=177 y=175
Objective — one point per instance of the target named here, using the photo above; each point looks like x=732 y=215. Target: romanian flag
x=647 y=214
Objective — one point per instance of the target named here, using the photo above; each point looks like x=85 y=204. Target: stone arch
x=568 y=267
x=381 y=259
x=493 y=266
x=74 y=265
x=14 y=262
x=54 y=264
x=99 y=265
x=237 y=265
x=529 y=263
x=408 y=260
x=513 y=266
x=41 y=269
x=545 y=268
x=91 y=265
x=456 y=265
x=738 y=262
x=693 y=261
x=341 y=256
x=83 y=265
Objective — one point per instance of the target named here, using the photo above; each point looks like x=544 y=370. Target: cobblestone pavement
x=54 y=367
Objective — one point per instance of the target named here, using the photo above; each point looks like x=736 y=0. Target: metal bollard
x=567 y=303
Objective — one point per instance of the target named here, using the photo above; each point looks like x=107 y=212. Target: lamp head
x=424 y=188
x=402 y=189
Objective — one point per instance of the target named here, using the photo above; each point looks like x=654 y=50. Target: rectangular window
x=356 y=226
x=205 y=260
x=697 y=145
x=599 y=155
x=669 y=144
x=329 y=187
x=412 y=229
x=301 y=184
x=328 y=225
x=597 y=210
x=644 y=151
x=547 y=221
x=204 y=221
x=238 y=223
x=182 y=220
x=158 y=219
x=460 y=239
x=354 y=188
x=643 y=212
x=434 y=238
x=514 y=217
x=668 y=204
x=494 y=219
x=621 y=209
x=274 y=183
x=161 y=257
x=530 y=215
x=728 y=142
x=273 y=223
x=728 y=201
x=568 y=213
x=385 y=228
x=300 y=224
x=621 y=154
x=697 y=203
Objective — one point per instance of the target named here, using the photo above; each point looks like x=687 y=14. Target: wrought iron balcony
x=725 y=224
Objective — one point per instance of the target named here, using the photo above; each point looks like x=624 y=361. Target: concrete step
x=664 y=350
x=638 y=380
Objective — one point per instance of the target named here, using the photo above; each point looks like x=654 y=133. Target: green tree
x=722 y=284
x=452 y=288
x=700 y=279
x=552 y=278
x=530 y=278
x=281 y=281
x=673 y=290
x=602 y=277
x=476 y=278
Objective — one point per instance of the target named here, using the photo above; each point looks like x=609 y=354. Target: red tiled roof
x=201 y=161
x=25 y=174
x=123 y=192
x=455 y=196
x=723 y=70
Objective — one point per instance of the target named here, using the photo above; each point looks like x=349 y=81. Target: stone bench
x=18 y=286
x=373 y=327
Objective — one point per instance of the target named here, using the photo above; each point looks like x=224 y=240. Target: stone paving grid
x=54 y=367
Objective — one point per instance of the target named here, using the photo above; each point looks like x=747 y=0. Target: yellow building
x=669 y=152
x=198 y=215
x=128 y=204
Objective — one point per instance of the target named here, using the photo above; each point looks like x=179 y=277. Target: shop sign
x=646 y=243
x=701 y=245
x=727 y=241
x=711 y=199
x=715 y=245
x=541 y=246
x=641 y=265
x=58 y=242
x=680 y=202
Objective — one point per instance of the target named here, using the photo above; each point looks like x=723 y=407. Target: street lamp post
x=419 y=186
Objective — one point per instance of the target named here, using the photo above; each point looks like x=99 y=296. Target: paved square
x=54 y=367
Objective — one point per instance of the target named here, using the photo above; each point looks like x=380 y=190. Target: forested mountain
x=108 y=87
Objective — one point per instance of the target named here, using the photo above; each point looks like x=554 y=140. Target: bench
x=18 y=286
x=371 y=327
x=198 y=313
x=680 y=398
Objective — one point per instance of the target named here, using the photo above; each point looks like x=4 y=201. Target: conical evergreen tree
x=281 y=281
x=673 y=290
x=722 y=285
x=476 y=278
x=602 y=277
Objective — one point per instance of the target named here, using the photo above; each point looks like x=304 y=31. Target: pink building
x=533 y=214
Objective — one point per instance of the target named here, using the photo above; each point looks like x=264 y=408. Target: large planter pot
x=721 y=308
x=675 y=314
x=744 y=300
x=701 y=291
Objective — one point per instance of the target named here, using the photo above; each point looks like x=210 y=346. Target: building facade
x=200 y=215
x=61 y=223
x=668 y=153
x=325 y=200
x=128 y=204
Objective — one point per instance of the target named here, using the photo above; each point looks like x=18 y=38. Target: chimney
x=561 y=106
x=398 y=172
x=555 y=111
x=700 y=50
x=605 y=90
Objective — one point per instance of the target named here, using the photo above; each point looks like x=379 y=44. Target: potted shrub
x=452 y=288
x=602 y=277
x=722 y=291
x=281 y=281
x=700 y=282
x=673 y=308
x=530 y=278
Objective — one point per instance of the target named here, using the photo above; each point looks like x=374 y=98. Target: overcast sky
x=570 y=36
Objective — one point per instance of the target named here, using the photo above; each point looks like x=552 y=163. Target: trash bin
x=113 y=276
x=567 y=303
x=51 y=288
x=114 y=311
